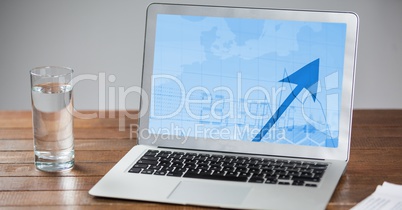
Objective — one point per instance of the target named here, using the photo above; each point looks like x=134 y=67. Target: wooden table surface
x=376 y=156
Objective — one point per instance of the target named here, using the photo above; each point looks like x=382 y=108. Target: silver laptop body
x=251 y=82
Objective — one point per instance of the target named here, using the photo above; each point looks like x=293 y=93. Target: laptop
x=243 y=108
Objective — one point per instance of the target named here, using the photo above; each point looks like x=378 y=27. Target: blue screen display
x=268 y=81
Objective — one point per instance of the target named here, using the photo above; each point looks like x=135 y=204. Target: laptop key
x=151 y=153
x=256 y=180
x=149 y=158
x=149 y=162
x=271 y=181
x=163 y=155
x=298 y=183
x=155 y=167
x=215 y=177
x=318 y=167
x=147 y=171
x=318 y=175
x=284 y=177
x=190 y=166
x=219 y=173
x=177 y=174
x=308 y=179
x=162 y=173
x=284 y=183
x=139 y=165
x=135 y=170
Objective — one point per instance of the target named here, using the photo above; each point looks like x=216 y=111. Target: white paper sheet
x=387 y=196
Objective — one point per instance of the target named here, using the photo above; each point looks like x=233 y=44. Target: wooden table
x=376 y=156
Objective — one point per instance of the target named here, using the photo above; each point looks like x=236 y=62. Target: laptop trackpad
x=190 y=192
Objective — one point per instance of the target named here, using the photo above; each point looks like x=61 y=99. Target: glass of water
x=52 y=116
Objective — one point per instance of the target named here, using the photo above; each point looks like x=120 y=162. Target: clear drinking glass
x=52 y=117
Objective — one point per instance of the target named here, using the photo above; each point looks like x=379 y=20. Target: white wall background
x=105 y=38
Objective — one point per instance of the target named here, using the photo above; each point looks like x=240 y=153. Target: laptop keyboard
x=230 y=168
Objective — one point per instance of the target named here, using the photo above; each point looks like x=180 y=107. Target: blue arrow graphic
x=306 y=77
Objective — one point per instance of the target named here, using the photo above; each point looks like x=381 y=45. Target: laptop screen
x=255 y=80
x=249 y=80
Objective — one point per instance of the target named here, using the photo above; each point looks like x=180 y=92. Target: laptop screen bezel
x=345 y=122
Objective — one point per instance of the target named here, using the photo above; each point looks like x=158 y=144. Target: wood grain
x=376 y=156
